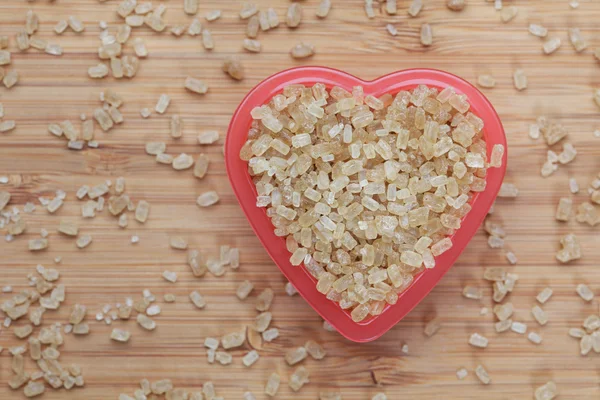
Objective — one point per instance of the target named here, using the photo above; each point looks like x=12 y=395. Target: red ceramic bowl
x=245 y=191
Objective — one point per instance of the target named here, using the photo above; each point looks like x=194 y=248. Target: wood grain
x=52 y=89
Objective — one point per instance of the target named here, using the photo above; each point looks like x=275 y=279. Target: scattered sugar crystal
x=546 y=392
x=486 y=81
x=570 y=249
x=511 y=258
x=586 y=344
x=250 y=358
x=551 y=45
x=415 y=7
x=232 y=340
x=495 y=242
x=244 y=289
x=207 y=199
x=585 y=292
x=579 y=44
x=478 y=340
x=162 y=104
x=391 y=29
x=544 y=295
x=568 y=154
x=482 y=375
x=471 y=292
x=270 y=334
x=294 y=356
x=272 y=385
x=508 y=190
x=298 y=379
x=507 y=14
x=539 y=315
x=534 y=337
x=426 y=35
x=591 y=323
x=538 y=30
x=503 y=311
x=432 y=327
x=120 y=335
x=290 y=290
x=563 y=211
x=534 y=131
x=170 y=276
x=518 y=327
x=576 y=333
x=154 y=309
x=211 y=343
x=520 y=79
x=148 y=295
x=573 y=186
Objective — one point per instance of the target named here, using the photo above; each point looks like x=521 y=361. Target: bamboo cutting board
x=52 y=89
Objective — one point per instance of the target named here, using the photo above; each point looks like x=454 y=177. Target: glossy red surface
x=245 y=191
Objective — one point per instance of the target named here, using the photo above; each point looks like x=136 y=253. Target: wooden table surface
x=475 y=41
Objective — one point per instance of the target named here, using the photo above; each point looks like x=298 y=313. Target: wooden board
x=52 y=89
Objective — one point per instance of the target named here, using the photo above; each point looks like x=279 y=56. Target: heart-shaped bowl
x=237 y=169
